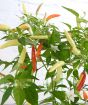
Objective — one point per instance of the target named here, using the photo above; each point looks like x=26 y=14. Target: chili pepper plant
x=60 y=53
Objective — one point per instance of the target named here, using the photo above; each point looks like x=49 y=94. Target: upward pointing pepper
x=33 y=59
x=22 y=56
x=85 y=95
x=38 y=53
x=52 y=16
x=81 y=81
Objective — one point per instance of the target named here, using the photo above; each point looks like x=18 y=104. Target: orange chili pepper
x=23 y=67
x=33 y=59
x=81 y=81
x=52 y=16
x=85 y=95
x=38 y=53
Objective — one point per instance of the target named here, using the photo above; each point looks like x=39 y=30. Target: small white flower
x=71 y=95
x=54 y=48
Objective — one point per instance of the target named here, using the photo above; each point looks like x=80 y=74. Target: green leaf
x=6 y=95
x=6 y=63
x=46 y=100
x=69 y=73
x=59 y=95
x=55 y=37
x=18 y=94
x=69 y=26
x=63 y=54
x=50 y=74
x=76 y=63
x=75 y=73
x=22 y=40
x=70 y=83
x=20 y=48
x=86 y=67
x=47 y=55
x=76 y=99
x=61 y=86
x=31 y=95
x=72 y=11
x=25 y=75
x=7 y=79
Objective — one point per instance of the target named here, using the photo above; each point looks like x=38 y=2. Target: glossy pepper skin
x=81 y=81
x=38 y=53
x=85 y=95
x=52 y=16
x=33 y=59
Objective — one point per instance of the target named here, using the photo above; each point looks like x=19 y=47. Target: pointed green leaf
x=31 y=95
x=46 y=100
x=69 y=72
x=7 y=79
x=59 y=95
x=6 y=95
x=18 y=94
x=72 y=11
x=68 y=25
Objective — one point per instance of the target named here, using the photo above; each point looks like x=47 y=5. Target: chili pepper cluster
x=35 y=55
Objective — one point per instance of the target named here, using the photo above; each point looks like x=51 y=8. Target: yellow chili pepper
x=22 y=56
x=24 y=8
x=58 y=74
x=28 y=104
x=69 y=39
x=76 y=51
x=4 y=27
x=72 y=43
x=10 y=43
x=39 y=37
x=24 y=26
x=56 y=65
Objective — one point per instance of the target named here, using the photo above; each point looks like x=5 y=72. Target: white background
x=10 y=10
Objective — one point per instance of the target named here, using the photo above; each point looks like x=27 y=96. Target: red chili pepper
x=23 y=67
x=33 y=59
x=81 y=81
x=38 y=53
x=52 y=16
x=85 y=95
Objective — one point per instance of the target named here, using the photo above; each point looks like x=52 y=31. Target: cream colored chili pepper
x=58 y=74
x=72 y=43
x=24 y=8
x=76 y=51
x=10 y=43
x=4 y=27
x=56 y=65
x=28 y=104
x=69 y=39
x=26 y=26
x=22 y=56
x=39 y=37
